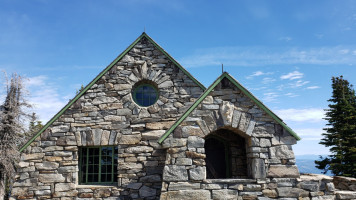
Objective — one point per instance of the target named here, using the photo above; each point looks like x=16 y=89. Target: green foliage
x=340 y=133
x=34 y=126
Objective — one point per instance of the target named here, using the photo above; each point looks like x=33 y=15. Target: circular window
x=145 y=95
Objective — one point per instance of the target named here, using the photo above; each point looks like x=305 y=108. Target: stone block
x=147 y=192
x=292 y=192
x=226 y=111
x=175 y=173
x=186 y=194
x=195 y=142
x=130 y=139
x=51 y=178
x=61 y=187
x=32 y=156
x=47 y=165
x=183 y=186
x=159 y=125
x=152 y=135
x=258 y=168
x=225 y=194
x=184 y=161
x=197 y=174
x=345 y=194
x=282 y=152
x=192 y=131
x=283 y=171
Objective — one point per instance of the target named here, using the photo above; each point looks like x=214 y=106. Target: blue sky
x=285 y=52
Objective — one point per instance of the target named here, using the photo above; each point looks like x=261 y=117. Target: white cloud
x=301 y=115
x=292 y=75
x=262 y=56
x=298 y=83
x=44 y=97
x=258 y=73
x=268 y=80
x=310 y=132
x=344 y=51
x=290 y=94
x=313 y=87
x=270 y=97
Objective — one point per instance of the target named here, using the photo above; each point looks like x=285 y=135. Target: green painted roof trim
x=244 y=90
x=70 y=103
x=176 y=63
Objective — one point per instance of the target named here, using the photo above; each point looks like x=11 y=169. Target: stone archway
x=225 y=155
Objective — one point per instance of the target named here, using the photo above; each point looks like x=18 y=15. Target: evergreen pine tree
x=340 y=133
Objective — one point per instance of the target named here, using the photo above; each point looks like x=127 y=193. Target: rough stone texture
x=345 y=183
x=175 y=173
x=259 y=149
x=106 y=115
x=281 y=171
x=187 y=194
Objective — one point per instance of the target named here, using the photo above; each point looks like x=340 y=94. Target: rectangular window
x=98 y=165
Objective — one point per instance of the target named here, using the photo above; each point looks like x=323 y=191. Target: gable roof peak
x=244 y=90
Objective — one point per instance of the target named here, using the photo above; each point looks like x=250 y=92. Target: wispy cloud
x=292 y=75
x=312 y=87
x=301 y=115
x=270 y=97
x=258 y=73
x=44 y=97
x=262 y=56
x=268 y=80
x=290 y=94
x=298 y=84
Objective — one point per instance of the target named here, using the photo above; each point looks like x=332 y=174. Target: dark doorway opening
x=215 y=158
x=225 y=155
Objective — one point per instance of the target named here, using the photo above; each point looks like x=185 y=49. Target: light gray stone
x=51 y=178
x=236 y=118
x=258 y=168
x=175 y=173
x=282 y=152
x=283 y=171
x=195 y=142
x=227 y=110
x=183 y=186
x=152 y=135
x=225 y=194
x=187 y=194
x=197 y=174
x=292 y=192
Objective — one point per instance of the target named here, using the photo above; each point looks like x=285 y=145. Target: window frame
x=135 y=91
x=114 y=166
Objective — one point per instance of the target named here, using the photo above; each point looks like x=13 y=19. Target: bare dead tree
x=12 y=116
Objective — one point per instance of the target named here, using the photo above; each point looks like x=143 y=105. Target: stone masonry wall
x=107 y=115
x=270 y=159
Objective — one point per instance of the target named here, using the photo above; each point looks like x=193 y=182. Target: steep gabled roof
x=244 y=90
x=143 y=35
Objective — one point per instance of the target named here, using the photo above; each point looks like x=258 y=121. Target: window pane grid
x=145 y=95
x=98 y=165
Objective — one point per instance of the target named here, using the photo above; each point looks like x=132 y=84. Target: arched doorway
x=216 y=158
x=225 y=155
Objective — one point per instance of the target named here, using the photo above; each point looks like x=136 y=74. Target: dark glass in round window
x=145 y=95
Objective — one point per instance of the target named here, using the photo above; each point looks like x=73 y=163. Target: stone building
x=145 y=128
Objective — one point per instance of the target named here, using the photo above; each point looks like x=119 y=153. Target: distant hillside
x=306 y=164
